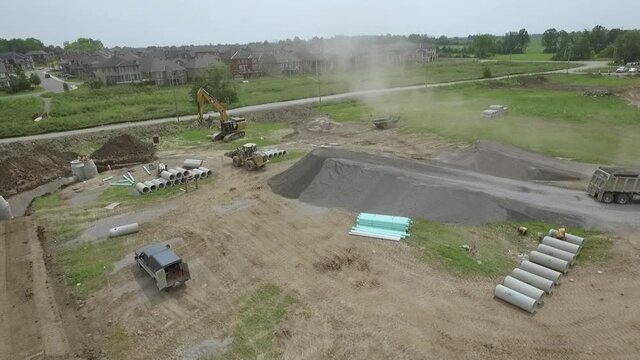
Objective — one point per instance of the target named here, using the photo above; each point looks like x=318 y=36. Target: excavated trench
x=434 y=191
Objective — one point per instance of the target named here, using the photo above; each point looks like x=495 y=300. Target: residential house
x=4 y=76
x=117 y=70
x=279 y=63
x=14 y=60
x=425 y=55
x=39 y=56
x=162 y=72
x=198 y=65
x=312 y=63
x=244 y=63
x=80 y=63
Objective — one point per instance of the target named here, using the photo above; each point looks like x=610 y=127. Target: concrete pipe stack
x=273 y=153
x=527 y=284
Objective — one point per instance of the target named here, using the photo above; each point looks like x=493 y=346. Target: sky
x=141 y=23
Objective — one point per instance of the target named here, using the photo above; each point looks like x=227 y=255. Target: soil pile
x=423 y=190
x=28 y=168
x=123 y=150
x=513 y=163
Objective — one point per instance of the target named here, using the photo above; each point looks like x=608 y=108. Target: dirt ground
x=358 y=298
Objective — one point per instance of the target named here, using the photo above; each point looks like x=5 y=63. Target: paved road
x=282 y=104
x=53 y=83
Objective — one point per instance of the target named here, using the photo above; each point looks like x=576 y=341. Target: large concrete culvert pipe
x=176 y=174
x=142 y=188
x=534 y=280
x=542 y=271
x=574 y=239
x=197 y=174
x=184 y=171
x=167 y=175
x=159 y=184
x=124 y=230
x=515 y=298
x=549 y=261
x=562 y=245
x=555 y=252
x=152 y=187
x=524 y=288
x=204 y=169
x=192 y=163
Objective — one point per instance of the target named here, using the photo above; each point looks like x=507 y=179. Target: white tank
x=77 y=169
x=90 y=169
x=5 y=210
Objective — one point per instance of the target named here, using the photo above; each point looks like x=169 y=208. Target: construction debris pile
x=122 y=151
x=528 y=283
x=384 y=227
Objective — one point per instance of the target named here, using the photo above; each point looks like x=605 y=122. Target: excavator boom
x=202 y=97
x=230 y=128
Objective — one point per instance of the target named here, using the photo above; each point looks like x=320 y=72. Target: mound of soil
x=123 y=150
x=433 y=191
x=513 y=163
x=30 y=168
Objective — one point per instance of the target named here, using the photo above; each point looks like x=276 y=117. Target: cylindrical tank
x=515 y=298
x=159 y=184
x=549 y=261
x=533 y=279
x=524 y=288
x=152 y=187
x=561 y=244
x=5 y=209
x=555 y=252
x=90 y=169
x=541 y=271
x=142 y=188
x=192 y=163
x=167 y=175
x=77 y=169
x=204 y=169
x=124 y=230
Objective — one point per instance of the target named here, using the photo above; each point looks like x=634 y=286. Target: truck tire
x=622 y=199
x=607 y=198
x=236 y=161
x=250 y=165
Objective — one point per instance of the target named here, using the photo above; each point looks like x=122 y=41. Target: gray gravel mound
x=433 y=191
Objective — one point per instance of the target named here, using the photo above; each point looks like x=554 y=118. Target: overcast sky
x=171 y=22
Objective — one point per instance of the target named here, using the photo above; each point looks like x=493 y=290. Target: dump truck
x=615 y=184
x=163 y=265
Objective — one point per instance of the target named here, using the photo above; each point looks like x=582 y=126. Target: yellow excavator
x=231 y=128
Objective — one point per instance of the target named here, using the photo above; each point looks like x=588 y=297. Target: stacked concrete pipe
x=176 y=174
x=209 y=172
x=167 y=176
x=159 y=184
x=185 y=172
x=544 y=269
x=142 y=188
x=152 y=187
x=192 y=164
x=197 y=174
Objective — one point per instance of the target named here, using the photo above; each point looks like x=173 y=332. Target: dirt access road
x=283 y=104
x=30 y=324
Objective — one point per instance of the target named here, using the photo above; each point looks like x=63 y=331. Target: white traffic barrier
x=561 y=244
x=533 y=280
x=524 y=288
x=515 y=298
x=549 y=261
x=541 y=271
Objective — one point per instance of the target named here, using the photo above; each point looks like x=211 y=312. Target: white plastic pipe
x=515 y=298
x=561 y=244
x=208 y=171
x=159 y=184
x=142 y=188
x=124 y=230
x=576 y=240
x=549 y=261
x=177 y=174
x=152 y=187
x=533 y=280
x=560 y=254
x=167 y=175
x=541 y=271
x=524 y=288
x=147 y=170
x=192 y=163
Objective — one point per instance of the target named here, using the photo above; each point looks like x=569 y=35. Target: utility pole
x=318 y=77
x=175 y=100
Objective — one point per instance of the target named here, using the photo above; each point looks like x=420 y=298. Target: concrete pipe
x=192 y=164
x=549 y=261
x=142 y=188
x=167 y=175
x=152 y=187
x=159 y=184
x=560 y=254
x=124 y=230
x=90 y=169
x=534 y=280
x=284 y=152
x=198 y=174
x=208 y=171
x=177 y=174
x=524 y=288
x=575 y=240
x=77 y=169
x=515 y=298
x=184 y=171
x=5 y=209
x=561 y=244
x=181 y=181
x=541 y=271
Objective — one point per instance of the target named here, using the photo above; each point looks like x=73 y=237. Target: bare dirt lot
x=355 y=298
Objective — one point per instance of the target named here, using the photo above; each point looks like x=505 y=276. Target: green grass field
x=86 y=107
x=533 y=53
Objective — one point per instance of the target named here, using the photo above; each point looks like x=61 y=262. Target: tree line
x=620 y=45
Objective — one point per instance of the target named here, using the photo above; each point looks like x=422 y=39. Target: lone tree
x=550 y=41
x=484 y=45
x=218 y=82
x=34 y=79
x=84 y=44
x=19 y=81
